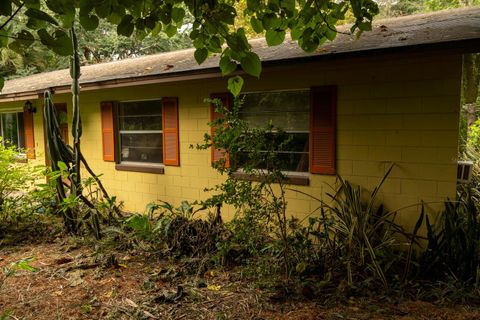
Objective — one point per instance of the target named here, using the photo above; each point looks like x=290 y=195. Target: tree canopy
x=100 y=45
x=211 y=23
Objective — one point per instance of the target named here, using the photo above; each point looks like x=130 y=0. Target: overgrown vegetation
x=349 y=244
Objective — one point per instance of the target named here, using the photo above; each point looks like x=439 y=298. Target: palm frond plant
x=362 y=238
x=454 y=241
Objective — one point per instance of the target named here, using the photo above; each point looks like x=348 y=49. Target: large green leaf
x=288 y=6
x=61 y=6
x=251 y=64
x=125 y=28
x=275 y=37
x=253 y=4
x=178 y=14
x=200 y=55
x=156 y=30
x=235 y=85
x=24 y=39
x=296 y=32
x=330 y=34
x=86 y=6
x=3 y=38
x=89 y=21
x=271 y=21
x=225 y=14
x=5 y=8
x=40 y=15
x=150 y=22
x=170 y=30
x=227 y=65
x=256 y=25
x=215 y=44
x=166 y=14
x=104 y=8
x=309 y=40
x=60 y=42
x=67 y=19
x=34 y=3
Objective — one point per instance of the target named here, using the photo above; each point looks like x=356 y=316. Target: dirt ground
x=77 y=282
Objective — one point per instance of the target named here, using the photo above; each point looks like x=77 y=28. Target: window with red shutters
x=307 y=119
x=141 y=135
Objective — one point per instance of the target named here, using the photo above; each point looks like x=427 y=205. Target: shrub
x=14 y=175
x=454 y=241
x=362 y=238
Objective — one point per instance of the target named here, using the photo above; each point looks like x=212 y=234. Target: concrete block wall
x=396 y=109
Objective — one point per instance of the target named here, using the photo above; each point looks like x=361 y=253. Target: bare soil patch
x=77 y=282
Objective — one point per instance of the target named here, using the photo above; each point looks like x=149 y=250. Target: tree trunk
x=471 y=79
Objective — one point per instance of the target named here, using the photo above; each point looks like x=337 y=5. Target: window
x=308 y=118
x=140 y=131
x=289 y=111
x=144 y=135
x=12 y=129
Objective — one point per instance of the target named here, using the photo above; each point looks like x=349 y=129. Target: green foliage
x=23 y=264
x=362 y=236
x=259 y=201
x=25 y=54
x=213 y=24
x=77 y=208
x=175 y=231
x=473 y=141
x=454 y=241
x=15 y=176
x=408 y=7
x=141 y=225
x=235 y=85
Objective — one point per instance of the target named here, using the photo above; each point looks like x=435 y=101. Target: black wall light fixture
x=29 y=107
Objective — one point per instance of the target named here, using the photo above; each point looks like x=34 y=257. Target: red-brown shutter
x=108 y=134
x=170 y=131
x=323 y=110
x=226 y=99
x=29 y=133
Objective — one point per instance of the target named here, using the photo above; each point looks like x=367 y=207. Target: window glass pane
x=141 y=147
x=288 y=110
x=289 y=152
x=140 y=115
x=140 y=125
x=21 y=131
x=9 y=129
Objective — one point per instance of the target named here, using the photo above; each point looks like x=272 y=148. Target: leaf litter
x=75 y=282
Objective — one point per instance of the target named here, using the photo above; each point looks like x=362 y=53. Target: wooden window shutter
x=170 y=131
x=226 y=99
x=29 y=133
x=323 y=111
x=108 y=133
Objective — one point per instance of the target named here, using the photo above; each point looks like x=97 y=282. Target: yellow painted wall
x=391 y=109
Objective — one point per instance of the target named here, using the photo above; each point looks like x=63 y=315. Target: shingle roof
x=458 y=28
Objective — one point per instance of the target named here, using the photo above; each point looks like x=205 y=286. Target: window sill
x=293 y=178
x=21 y=158
x=140 y=167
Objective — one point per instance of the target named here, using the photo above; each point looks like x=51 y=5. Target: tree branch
x=327 y=24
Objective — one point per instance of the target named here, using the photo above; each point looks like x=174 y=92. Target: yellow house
x=354 y=107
